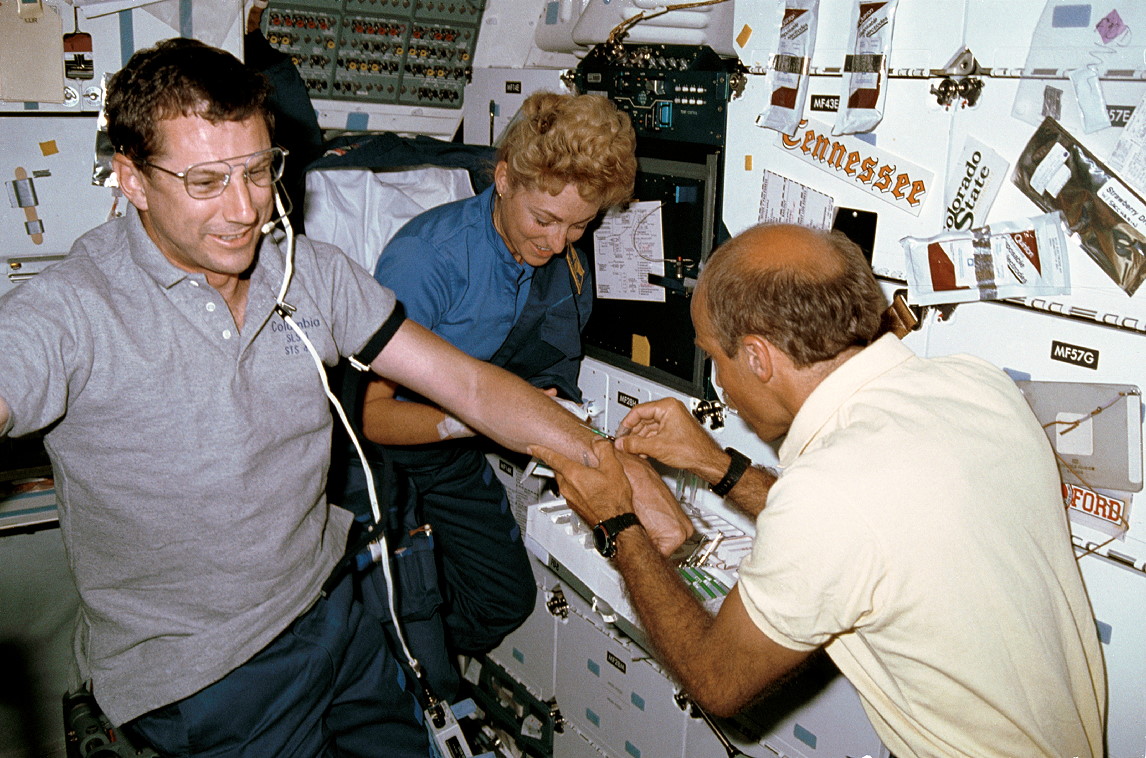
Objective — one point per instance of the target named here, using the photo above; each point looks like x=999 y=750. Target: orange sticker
x=49 y=148
x=744 y=36
x=642 y=351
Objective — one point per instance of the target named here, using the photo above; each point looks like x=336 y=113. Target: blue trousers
x=470 y=584
x=327 y=687
x=487 y=581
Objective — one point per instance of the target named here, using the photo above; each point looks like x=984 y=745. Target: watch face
x=605 y=533
x=601 y=540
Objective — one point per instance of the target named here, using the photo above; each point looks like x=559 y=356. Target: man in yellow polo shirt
x=916 y=530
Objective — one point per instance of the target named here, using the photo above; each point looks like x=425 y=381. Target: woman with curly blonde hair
x=496 y=275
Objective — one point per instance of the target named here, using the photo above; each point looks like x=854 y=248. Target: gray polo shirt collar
x=266 y=277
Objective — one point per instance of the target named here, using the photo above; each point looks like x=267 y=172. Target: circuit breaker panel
x=675 y=92
x=397 y=52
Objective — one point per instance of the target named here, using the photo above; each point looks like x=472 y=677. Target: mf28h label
x=626 y=400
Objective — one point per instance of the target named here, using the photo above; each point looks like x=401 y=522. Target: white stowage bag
x=359 y=210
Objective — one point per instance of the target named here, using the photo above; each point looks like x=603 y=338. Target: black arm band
x=382 y=337
x=736 y=469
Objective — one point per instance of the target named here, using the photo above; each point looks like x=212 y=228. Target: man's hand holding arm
x=660 y=513
x=723 y=662
x=666 y=431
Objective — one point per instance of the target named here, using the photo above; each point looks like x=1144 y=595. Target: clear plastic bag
x=1023 y=258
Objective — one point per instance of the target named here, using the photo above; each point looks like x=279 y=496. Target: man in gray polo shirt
x=190 y=435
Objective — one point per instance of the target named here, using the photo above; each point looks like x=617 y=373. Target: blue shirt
x=455 y=275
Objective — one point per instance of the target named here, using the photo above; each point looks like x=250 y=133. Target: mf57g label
x=1079 y=356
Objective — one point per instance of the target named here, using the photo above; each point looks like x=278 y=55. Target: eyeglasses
x=206 y=180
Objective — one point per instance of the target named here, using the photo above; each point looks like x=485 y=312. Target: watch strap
x=736 y=468
x=618 y=524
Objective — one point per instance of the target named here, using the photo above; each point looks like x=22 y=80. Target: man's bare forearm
x=489 y=399
x=681 y=629
x=674 y=620
x=749 y=494
x=513 y=413
x=723 y=662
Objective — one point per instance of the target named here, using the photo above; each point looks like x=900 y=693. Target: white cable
x=288 y=269
x=285 y=310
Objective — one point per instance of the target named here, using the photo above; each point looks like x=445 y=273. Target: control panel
x=671 y=92
x=563 y=542
x=400 y=52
